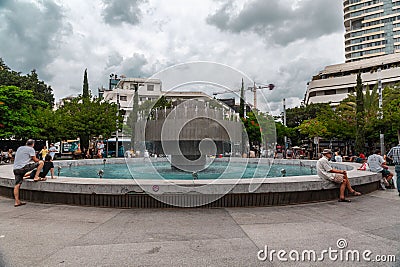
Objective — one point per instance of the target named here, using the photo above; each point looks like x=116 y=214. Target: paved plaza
x=60 y=235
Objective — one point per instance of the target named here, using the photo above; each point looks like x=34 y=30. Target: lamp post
x=254 y=90
x=381 y=135
x=116 y=135
x=284 y=123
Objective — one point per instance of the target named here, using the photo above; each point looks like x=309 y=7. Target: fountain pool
x=163 y=170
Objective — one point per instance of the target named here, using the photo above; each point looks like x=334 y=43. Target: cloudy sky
x=283 y=42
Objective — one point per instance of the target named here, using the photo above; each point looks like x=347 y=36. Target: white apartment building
x=372 y=42
x=148 y=89
x=372 y=28
x=335 y=82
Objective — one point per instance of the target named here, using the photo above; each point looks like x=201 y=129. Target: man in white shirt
x=325 y=171
x=23 y=164
x=376 y=164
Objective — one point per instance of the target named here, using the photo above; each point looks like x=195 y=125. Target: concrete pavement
x=59 y=235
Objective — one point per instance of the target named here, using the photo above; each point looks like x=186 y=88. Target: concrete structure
x=372 y=41
x=372 y=28
x=335 y=82
x=190 y=131
x=148 y=89
x=128 y=194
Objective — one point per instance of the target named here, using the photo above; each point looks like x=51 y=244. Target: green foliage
x=31 y=82
x=252 y=127
x=295 y=116
x=87 y=120
x=360 y=120
x=391 y=113
x=241 y=105
x=313 y=128
x=17 y=113
x=85 y=92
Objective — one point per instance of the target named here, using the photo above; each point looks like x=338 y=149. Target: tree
x=39 y=89
x=391 y=113
x=85 y=93
x=360 y=121
x=18 y=117
x=241 y=105
x=89 y=119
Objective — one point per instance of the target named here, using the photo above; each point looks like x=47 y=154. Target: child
x=48 y=166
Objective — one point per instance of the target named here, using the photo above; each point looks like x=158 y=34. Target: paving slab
x=211 y=252
x=60 y=235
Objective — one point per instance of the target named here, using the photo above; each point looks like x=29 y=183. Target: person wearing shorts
x=378 y=164
x=23 y=164
x=325 y=171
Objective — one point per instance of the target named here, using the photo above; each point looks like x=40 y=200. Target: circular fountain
x=192 y=132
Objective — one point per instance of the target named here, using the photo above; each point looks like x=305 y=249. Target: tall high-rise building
x=372 y=28
x=372 y=48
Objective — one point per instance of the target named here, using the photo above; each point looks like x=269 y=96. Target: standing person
x=52 y=150
x=325 y=171
x=22 y=164
x=44 y=152
x=376 y=163
x=394 y=155
x=100 y=148
x=338 y=157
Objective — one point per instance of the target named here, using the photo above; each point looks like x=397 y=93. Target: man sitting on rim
x=325 y=171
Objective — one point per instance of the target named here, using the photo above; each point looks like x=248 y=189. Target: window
x=330 y=92
x=311 y=94
x=123 y=98
x=150 y=87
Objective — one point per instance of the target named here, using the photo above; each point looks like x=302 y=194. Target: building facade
x=372 y=43
x=372 y=28
x=124 y=91
x=335 y=82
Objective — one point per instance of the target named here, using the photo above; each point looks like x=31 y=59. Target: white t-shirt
x=338 y=158
x=52 y=151
x=323 y=168
x=23 y=156
x=375 y=163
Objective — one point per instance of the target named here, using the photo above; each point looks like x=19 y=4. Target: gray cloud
x=279 y=23
x=118 y=12
x=30 y=34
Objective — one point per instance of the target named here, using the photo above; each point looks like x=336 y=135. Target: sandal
x=344 y=200
x=20 y=204
x=40 y=179
x=355 y=193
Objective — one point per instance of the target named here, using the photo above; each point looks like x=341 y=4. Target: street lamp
x=255 y=88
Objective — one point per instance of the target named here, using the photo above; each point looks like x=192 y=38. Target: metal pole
x=381 y=135
x=255 y=96
x=284 y=123
x=116 y=136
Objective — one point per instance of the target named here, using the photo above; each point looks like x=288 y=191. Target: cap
x=327 y=151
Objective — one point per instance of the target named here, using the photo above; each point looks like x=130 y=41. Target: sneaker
x=383 y=187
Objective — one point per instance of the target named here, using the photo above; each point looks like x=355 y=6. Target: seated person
x=48 y=166
x=360 y=159
x=377 y=164
x=325 y=171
